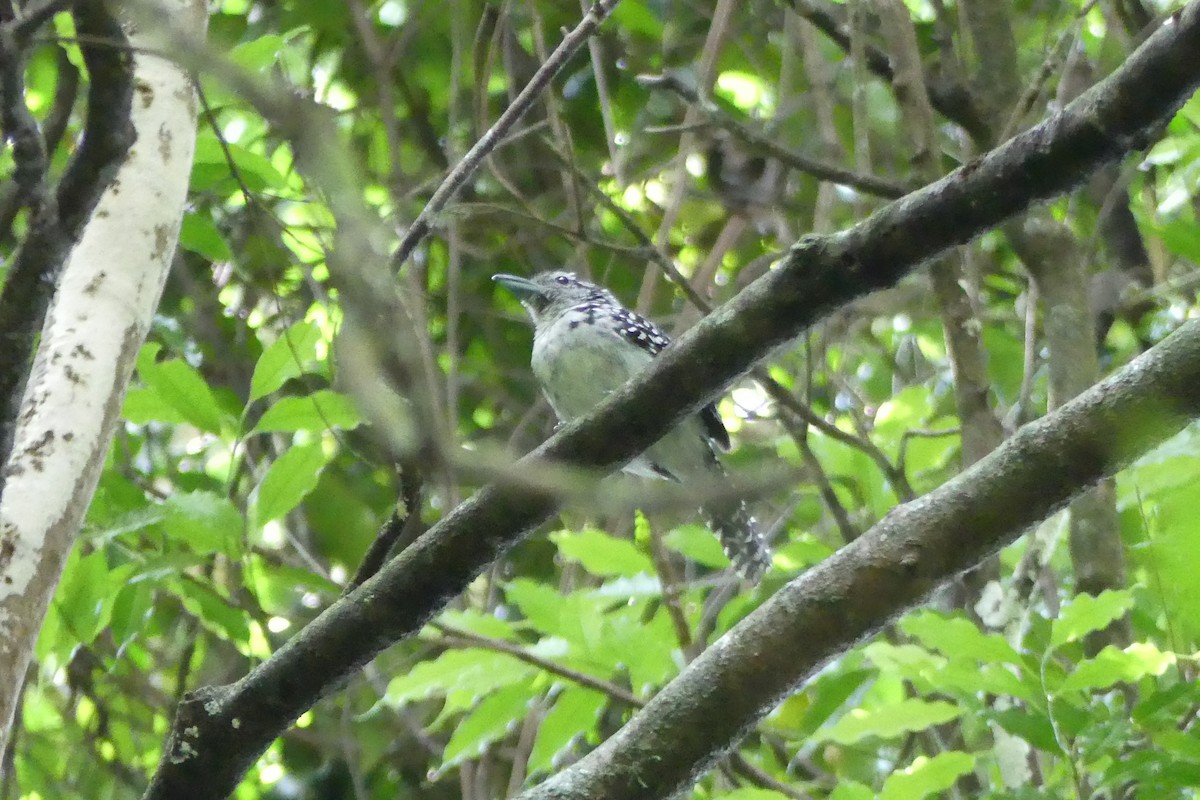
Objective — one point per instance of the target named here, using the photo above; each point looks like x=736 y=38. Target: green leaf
x=1004 y=363
x=577 y=617
x=806 y=711
x=1071 y=717
x=601 y=554
x=538 y=603
x=637 y=18
x=1161 y=703
x=926 y=776
x=84 y=596
x=131 y=608
x=490 y=720
x=958 y=638
x=643 y=536
x=908 y=408
x=465 y=675
x=257 y=54
x=1183 y=774
x=1180 y=744
x=215 y=612
x=851 y=790
x=320 y=411
x=478 y=622
x=55 y=641
x=1032 y=726
x=573 y=714
x=800 y=552
x=289 y=480
x=199 y=234
x=1086 y=614
x=644 y=648
x=293 y=353
x=746 y=90
x=1172 y=556
x=1111 y=665
x=890 y=721
x=204 y=521
x=967 y=680
x=279 y=587
x=157 y=566
x=144 y=405
x=697 y=543
x=211 y=165
x=639 y=586
x=178 y=385
x=1167 y=471
x=133 y=521
x=1180 y=236
x=903 y=660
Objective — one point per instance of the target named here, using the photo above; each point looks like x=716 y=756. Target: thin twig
x=401 y=529
x=671 y=594
x=1050 y=66
x=764 y=779
x=713 y=116
x=470 y=163
x=788 y=401
x=951 y=98
x=596 y=51
x=677 y=175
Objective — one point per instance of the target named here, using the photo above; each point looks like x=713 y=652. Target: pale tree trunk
x=101 y=311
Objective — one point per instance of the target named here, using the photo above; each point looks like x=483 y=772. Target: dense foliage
x=251 y=475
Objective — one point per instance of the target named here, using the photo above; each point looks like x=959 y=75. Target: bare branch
x=469 y=164
x=869 y=184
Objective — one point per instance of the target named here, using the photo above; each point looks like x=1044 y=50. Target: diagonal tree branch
x=220 y=731
x=854 y=593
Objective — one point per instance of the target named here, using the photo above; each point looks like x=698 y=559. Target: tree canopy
x=935 y=261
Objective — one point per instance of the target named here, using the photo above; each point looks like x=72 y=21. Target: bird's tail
x=738 y=531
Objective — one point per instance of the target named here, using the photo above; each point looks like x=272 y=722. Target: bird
x=586 y=345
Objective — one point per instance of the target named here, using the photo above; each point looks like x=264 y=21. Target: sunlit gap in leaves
x=746 y=91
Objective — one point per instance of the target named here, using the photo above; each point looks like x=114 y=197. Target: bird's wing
x=635 y=328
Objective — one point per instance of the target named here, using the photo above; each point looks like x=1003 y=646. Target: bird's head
x=546 y=295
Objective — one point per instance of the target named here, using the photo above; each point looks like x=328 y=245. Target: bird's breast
x=578 y=363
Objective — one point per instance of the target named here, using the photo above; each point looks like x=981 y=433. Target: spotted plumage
x=587 y=345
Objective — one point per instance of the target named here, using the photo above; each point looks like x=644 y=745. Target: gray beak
x=524 y=289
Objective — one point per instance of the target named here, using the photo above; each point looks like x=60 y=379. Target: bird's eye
x=563 y=279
